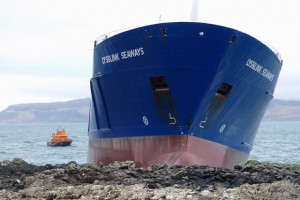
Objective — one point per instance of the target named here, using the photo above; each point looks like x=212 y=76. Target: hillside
x=283 y=110
x=73 y=111
x=77 y=111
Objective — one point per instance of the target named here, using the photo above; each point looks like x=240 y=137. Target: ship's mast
x=194 y=13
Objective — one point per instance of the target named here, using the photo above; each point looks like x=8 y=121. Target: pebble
x=123 y=180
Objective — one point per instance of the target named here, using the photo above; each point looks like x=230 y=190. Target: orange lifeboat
x=60 y=138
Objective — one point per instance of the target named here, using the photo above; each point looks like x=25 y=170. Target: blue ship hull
x=179 y=93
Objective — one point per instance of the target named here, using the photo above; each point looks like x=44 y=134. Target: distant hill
x=283 y=110
x=74 y=111
x=77 y=111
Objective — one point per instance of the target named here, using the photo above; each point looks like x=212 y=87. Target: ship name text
x=123 y=55
x=260 y=69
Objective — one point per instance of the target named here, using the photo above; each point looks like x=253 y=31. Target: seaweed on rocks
x=123 y=180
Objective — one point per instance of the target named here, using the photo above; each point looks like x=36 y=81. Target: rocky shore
x=123 y=180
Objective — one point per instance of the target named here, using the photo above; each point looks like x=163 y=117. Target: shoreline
x=123 y=180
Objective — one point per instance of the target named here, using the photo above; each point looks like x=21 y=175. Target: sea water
x=29 y=142
x=275 y=142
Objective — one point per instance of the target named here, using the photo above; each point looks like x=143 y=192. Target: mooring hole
x=159 y=84
x=224 y=91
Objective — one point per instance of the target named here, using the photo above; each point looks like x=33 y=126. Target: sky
x=46 y=46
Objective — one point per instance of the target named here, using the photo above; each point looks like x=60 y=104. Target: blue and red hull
x=179 y=93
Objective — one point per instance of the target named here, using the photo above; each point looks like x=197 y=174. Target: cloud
x=28 y=89
x=46 y=46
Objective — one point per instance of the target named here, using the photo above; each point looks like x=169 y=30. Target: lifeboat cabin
x=60 y=138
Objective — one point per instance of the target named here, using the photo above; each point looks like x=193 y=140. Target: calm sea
x=29 y=142
x=275 y=142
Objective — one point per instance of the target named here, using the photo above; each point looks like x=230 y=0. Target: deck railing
x=109 y=34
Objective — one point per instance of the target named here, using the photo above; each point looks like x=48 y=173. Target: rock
x=123 y=180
